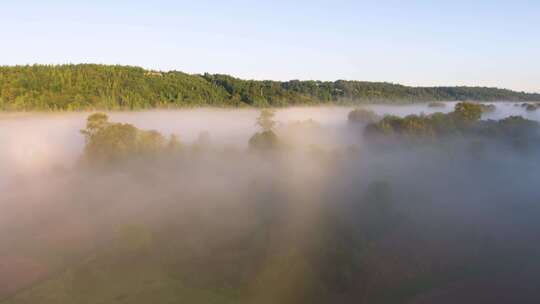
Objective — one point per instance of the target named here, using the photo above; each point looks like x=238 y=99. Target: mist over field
x=332 y=216
x=270 y=152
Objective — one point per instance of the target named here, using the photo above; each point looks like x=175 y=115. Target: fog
x=32 y=141
x=331 y=219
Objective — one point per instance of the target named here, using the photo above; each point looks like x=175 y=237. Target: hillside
x=91 y=86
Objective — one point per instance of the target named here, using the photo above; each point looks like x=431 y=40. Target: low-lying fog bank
x=33 y=141
x=331 y=216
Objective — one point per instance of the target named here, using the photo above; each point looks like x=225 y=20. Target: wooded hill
x=113 y=87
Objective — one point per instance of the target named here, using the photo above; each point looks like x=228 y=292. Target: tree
x=149 y=142
x=114 y=142
x=262 y=141
x=465 y=121
x=467 y=112
x=266 y=139
x=94 y=86
x=94 y=123
x=266 y=120
x=415 y=125
x=363 y=116
x=111 y=142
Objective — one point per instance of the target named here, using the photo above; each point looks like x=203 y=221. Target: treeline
x=464 y=122
x=110 y=142
x=111 y=87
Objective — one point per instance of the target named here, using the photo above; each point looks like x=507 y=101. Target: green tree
x=363 y=116
x=467 y=112
x=266 y=120
x=94 y=86
x=111 y=142
x=266 y=139
x=94 y=123
x=150 y=142
x=114 y=142
x=415 y=125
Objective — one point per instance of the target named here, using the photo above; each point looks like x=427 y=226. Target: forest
x=114 y=87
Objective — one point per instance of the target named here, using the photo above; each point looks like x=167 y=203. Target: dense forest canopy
x=111 y=87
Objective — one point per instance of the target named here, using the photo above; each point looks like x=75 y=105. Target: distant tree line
x=463 y=121
x=112 y=87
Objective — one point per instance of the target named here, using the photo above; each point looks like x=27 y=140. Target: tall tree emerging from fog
x=266 y=120
x=94 y=123
x=266 y=139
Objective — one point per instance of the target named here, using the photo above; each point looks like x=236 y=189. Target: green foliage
x=517 y=124
x=106 y=87
x=519 y=131
x=110 y=142
x=415 y=125
x=363 y=116
x=467 y=112
x=266 y=120
x=464 y=120
x=94 y=123
x=388 y=125
x=442 y=123
x=264 y=141
x=90 y=86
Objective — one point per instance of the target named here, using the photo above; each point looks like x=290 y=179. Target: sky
x=421 y=43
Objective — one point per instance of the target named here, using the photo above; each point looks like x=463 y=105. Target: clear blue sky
x=486 y=43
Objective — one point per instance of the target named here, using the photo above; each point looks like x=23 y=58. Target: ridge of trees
x=113 y=87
